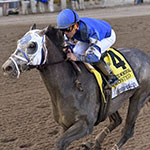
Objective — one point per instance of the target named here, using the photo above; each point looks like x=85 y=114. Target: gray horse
x=77 y=111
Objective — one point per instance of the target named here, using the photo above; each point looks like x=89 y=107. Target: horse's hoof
x=87 y=146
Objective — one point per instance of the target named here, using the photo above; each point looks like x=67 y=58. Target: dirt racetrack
x=26 y=119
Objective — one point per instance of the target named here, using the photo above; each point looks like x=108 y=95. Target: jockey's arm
x=92 y=54
x=67 y=44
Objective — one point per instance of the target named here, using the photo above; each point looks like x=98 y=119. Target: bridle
x=27 y=60
x=46 y=64
x=43 y=63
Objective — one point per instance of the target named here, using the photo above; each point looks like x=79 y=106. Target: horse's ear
x=42 y=32
x=33 y=27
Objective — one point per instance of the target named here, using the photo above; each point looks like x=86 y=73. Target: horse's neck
x=54 y=75
x=54 y=53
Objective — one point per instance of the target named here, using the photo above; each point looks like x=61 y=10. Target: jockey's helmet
x=66 y=18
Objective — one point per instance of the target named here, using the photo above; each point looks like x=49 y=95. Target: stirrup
x=114 y=80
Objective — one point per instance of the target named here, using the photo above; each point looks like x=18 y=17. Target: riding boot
x=105 y=68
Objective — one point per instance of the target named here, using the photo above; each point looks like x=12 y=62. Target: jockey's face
x=71 y=32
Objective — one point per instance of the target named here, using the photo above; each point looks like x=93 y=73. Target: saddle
x=122 y=69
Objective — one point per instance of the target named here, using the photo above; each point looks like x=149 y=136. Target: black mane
x=55 y=36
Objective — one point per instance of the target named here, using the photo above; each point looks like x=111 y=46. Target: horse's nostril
x=8 y=69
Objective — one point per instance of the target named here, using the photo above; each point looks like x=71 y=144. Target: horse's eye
x=32 y=48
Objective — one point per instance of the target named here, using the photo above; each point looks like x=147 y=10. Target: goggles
x=69 y=29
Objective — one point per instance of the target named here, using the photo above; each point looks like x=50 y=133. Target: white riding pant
x=81 y=47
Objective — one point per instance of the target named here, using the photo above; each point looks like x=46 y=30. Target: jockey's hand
x=71 y=56
x=66 y=50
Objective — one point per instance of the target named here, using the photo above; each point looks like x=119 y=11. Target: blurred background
x=24 y=7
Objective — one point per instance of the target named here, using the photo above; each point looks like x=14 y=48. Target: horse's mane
x=55 y=36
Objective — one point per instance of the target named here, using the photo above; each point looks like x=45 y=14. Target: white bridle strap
x=16 y=65
x=18 y=71
x=25 y=58
x=45 y=50
x=21 y=58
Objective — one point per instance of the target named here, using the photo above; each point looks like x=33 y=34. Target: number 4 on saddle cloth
x=121 y=69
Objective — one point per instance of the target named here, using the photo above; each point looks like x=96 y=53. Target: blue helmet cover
x=66 y=18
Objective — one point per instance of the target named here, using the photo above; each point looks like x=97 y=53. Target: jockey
x=88 y=40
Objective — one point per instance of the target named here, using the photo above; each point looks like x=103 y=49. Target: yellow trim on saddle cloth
x=100 y=81
x=98 y=78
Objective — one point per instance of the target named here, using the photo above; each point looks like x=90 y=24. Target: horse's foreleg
x=136 y=102
x=76 y=131
x=115 y=120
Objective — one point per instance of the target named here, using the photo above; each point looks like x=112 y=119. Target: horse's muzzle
x=9 y=69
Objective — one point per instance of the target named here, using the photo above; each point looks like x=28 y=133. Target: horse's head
x=29 y=52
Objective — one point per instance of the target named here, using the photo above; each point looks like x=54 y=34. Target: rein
x=42 y=66
x=55 y=63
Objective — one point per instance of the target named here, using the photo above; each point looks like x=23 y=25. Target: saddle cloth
x=121 y=69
